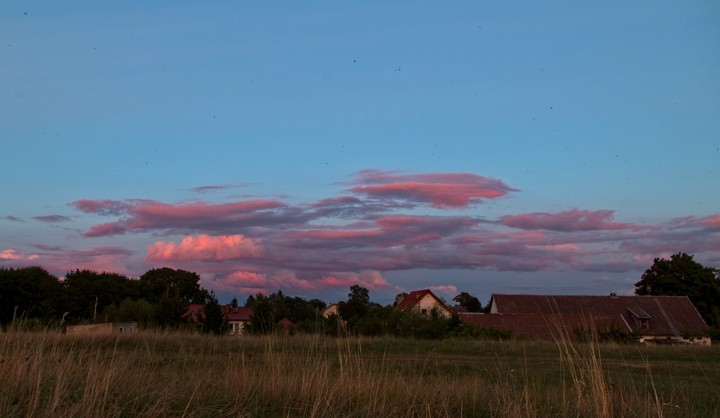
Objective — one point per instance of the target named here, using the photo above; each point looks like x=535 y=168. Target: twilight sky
x=488 y=147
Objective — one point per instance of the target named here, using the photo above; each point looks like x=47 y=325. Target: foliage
x=29 y=292
x=88 y=293
x=140 y=311
x=355 y=308
x=469 y=302
x=681 y=275
x=214 y=322
x=481 y=333
x=617 y=334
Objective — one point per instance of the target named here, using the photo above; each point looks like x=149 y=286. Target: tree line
x=160 y=298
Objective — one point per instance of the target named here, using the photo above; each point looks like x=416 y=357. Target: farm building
x=659 y=319
x=107 y=328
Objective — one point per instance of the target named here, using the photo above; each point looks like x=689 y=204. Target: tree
x=29 y=292
x=88 y=293
x=169 y=283
x=214 y=320
x=469 y=302
x=683 y=276
x=262 y=320
x=356 y=307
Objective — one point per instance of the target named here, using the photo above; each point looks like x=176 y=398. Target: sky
x=488 y=147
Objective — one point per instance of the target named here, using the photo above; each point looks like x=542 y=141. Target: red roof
x=540 y=327
x=196 y=313
x=414 y=297
x=663 y=315
x=285 y=323
x=236 y=314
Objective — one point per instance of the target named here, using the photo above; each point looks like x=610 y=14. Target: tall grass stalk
x=184 y=375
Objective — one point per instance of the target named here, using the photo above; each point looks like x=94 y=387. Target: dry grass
x=183 y=375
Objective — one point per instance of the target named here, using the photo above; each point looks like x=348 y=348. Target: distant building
x=423 y=302
x=659 y=319
x=330 y=310
x=236 y=318
x=106 y=328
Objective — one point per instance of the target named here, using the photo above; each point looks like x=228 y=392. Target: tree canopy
x=469 y=302
x=681 y=275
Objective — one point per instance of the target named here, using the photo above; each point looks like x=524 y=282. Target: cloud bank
x=380 y=222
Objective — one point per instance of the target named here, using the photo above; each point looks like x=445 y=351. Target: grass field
x=168 y=375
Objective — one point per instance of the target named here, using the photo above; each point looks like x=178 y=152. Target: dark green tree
x=469 y=302
x=681 y=275
x=29 y=292
x=263 y=319
x=355 y=308
x=88 y=293
x=214 y=321
x=172 y=291
x=170 y=283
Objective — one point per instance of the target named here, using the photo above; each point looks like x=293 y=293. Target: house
x=659 y=319
x=236 y=318
x=423 y=302
x=330 y=310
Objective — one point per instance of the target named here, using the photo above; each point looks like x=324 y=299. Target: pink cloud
x=440 y=190
x=59 y=260
x=10 y=254
x=710 y=222
x=446 y=289
x=205 y=247
x=567 y=221
x=370 y=279
x=111 y=228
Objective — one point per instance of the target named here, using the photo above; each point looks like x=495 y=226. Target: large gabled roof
x=540 y=327
x=666 y=315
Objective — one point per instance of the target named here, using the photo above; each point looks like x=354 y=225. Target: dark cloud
x=567 y=221
x=52 y=219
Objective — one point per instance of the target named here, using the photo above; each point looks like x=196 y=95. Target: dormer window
x=642 y=318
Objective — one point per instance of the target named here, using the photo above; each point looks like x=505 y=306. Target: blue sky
x=515 y=147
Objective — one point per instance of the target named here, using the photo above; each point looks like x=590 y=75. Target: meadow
x=154 y=374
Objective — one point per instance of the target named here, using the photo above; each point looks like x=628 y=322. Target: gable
x=423 y=300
